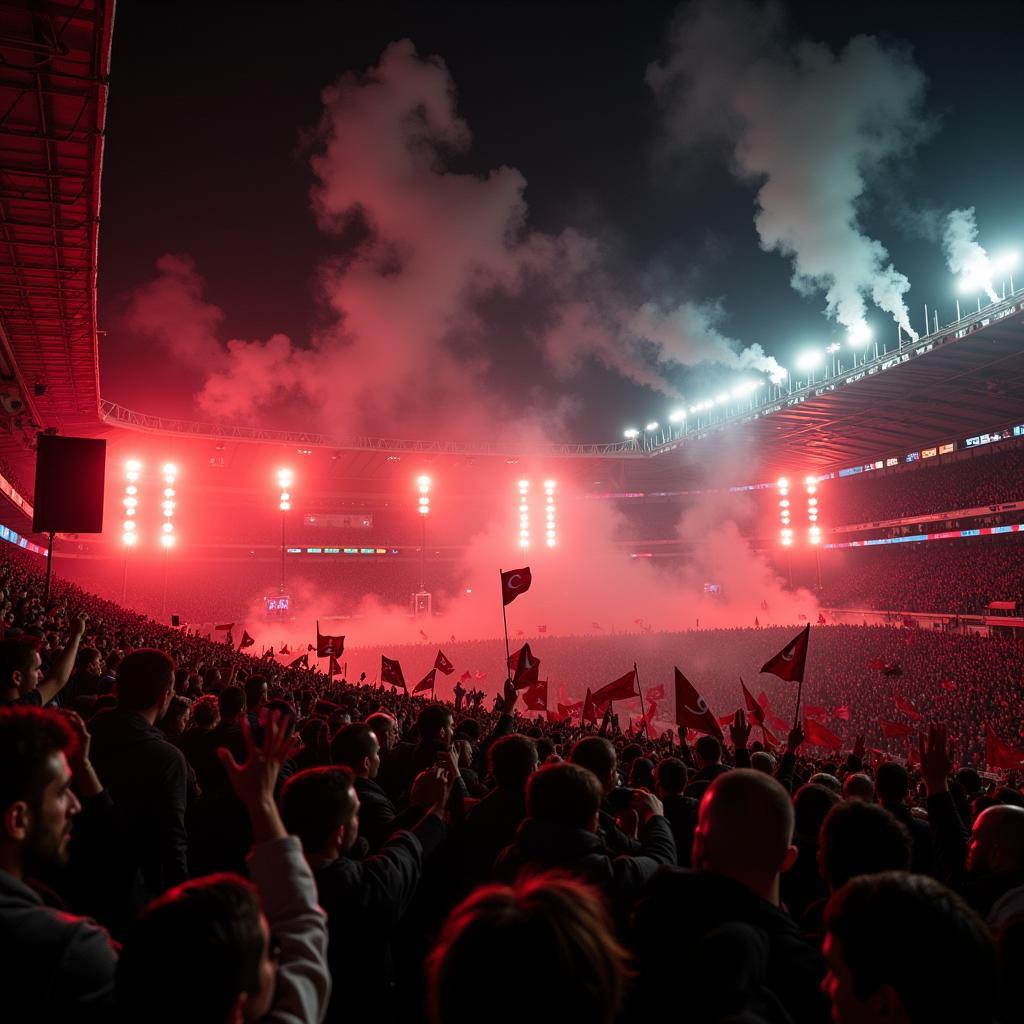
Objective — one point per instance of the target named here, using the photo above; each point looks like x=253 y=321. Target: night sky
x=212 y=124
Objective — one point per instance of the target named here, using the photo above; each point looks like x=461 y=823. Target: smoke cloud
x=423 y=245
x=965 y=257
x=811 y=128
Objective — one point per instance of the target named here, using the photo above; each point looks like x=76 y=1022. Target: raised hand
x=859 y=747
x=509 y=696
x=739 y=731
x=936 y=752
x=646 y=805
x=254 y=780
x=794 y=739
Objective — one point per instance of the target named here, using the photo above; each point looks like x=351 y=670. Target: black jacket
x=147 y=780
x=678 y=908
x=364 y=901
x=681 y=812
x=378 y=819
x=543 y=845
x=490 y=826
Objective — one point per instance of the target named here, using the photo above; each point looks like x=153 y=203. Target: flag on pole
x=333 y=667
x=268 y=653
x=466 y=676
x=907 y=708
x=284 y=649
x=692 y=711
x=589 y=713
x=442 y=664
x=515 y=582
x=754 y=709
x=656 y=692
x=999 y=754
x=302 y=661
x=818 y=736
x=328 y=646
x=623 y=688
x=226 y=628
x=426 y=683
x=247 y=641
x=894 y=730
x=524 y=668
x=789 y=663
x=391 y=673
x=815 y=711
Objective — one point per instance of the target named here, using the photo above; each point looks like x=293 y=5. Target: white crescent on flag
x=515 y=581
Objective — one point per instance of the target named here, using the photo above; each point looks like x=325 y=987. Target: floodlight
x=170 y=469
x=810 y=480
x=860 y=334
x=653 y=425
x=423 y=481
x=1005 y=260
x=524 y=485
x=133 y=465
x=168 y=527
x=131 y=489
x=549 y=485
x=833 y=348
x=129 y=539
x=810 y=359
x=285 y=506
x=630 y=432
x=130 y=502
x=167 y=540
x=284 y=477
x=677 y=416
x=782 y=482
x=129 y=525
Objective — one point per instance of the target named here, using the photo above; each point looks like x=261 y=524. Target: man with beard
x=55 y=965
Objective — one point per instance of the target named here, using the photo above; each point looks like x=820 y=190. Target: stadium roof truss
x=54 y=65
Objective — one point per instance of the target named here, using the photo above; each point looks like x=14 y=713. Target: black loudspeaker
x=69 y=484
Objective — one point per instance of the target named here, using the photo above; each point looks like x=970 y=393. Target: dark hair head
x=858 y=838
x=970 y=780
x=914 y=935
x=231 y=701
x=574 y=958
x=470 y=728
x=811 y=803
x=207 y=936
x=545 y=748
x=255 y=690
x=29 y=737
x=17 y=654
x=85 y=656
x=892 y=783
x=513 y=760
x=282 y=707
x=563 y=794
x=379 y=722
x=596 y=754
x=630 y=752
x=352 y=743
x=432 y=720
x=205 y=711
x=671 y=775
x=641 y=773
x=144 y=679
x=315 y=803
x=708 y=749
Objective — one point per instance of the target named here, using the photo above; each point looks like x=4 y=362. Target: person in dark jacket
x=803 y=884
x=680 y=810
x=561 y=831
x=741 y=846
x=364 y=900
x=147 y=779
x=598 y=756
x=892 y=784
x=357 y=748
x=55 y=966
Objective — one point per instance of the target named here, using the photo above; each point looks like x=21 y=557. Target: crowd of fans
x=934 y=485
x=932 y=576
x=189 y=833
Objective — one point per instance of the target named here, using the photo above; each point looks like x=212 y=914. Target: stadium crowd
x=190 y=833
x=935 y=485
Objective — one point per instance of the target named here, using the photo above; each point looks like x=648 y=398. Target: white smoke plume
x=406 y=347
x=810 y=127
x=965 y=257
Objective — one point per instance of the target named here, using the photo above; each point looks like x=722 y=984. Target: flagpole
x=643 y=711
x=799 y=692
x=504 y=622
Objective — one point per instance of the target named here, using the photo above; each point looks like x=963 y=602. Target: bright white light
x=524 y=543
x=860 y=334
x=778 y=375
x=524 y=508
x=129 y=525
x=167 y=540
x=653 y=425
x=1005 y=261
x=782 y=482
x=722 y=398
x=810 y=359
x=784 y=503
x=812 y=501
x=129 y=539
x=168 y=492
x=285 y=506
x=168 y=527
x=630 y=433
x=810 y=480
x=168 y=506
x=549 y=485
x=131 y=489
x=811 y=489
x=133 y=465
x=677 y=416
x=551 y=542
x=833 y=348
x=130 y=502
x=424 y=510
x=424 y=501
x=815 y=539
x=524 y=485
x=132 y=477
x=284 y=477
x=423 y=481
x=129 y=511
x=170 y=469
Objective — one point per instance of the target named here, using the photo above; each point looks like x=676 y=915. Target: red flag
x=907 y=708
x=595 y=625
x=558 y=716
x=542 y=629
x=333 y=667
x=465 y=677
x=757 y=622
x=818 y=736
x=842 y=712
x=948 y=684
x=513 y=583
x=284 y=649
x=821 y=619
x=877 y=663
x=894 y=730
x=656 y=692
x=247 y=641
x=999 y=754
x=728 y=719
x=478 y=675
x=426 y=683
x=770 y=738
x=328 y=646
x=692 y=710
x=524 y=668
x=652 y=710
x=536 y=697
x=567 y=711
x=777 y=723
x=442 y=664
x=814 y=711
x=789 y=663
x=227 y=627
x=268 y=653
x=762 y=699
x=754 y=709
x=391 y=672
x=302 y=661
x=589 y=713
x=623 y=688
